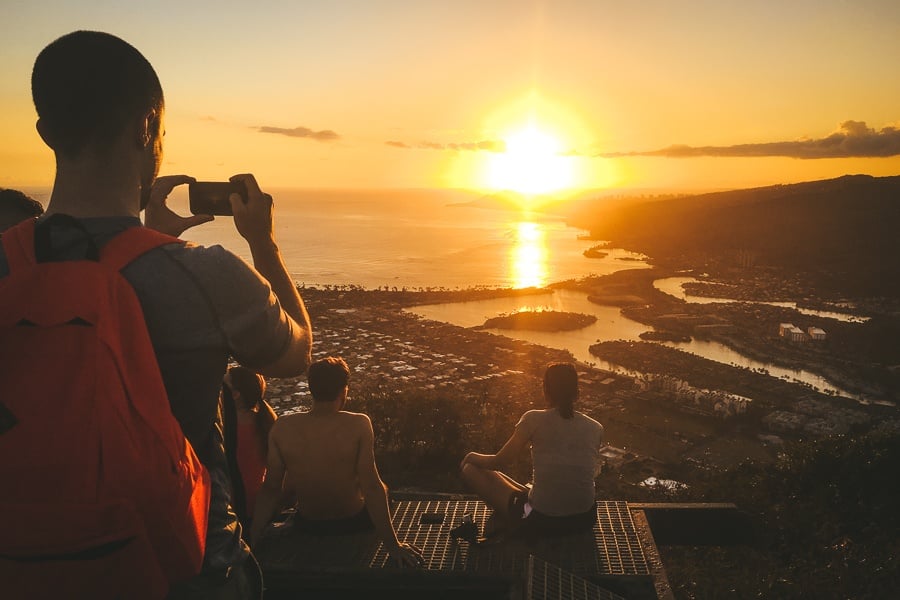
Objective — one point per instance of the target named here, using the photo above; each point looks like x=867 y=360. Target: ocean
x=415 y=239
x=420 y=238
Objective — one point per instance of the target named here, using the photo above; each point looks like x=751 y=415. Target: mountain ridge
x=840 y=233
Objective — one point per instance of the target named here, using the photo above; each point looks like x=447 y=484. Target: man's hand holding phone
x=158 y=215
x=253 y=215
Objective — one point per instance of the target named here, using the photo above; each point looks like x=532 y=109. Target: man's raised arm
x=255 y=222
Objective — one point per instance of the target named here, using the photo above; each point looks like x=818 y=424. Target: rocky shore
x=596 y=252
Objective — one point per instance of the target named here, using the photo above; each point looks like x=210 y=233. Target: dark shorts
x=355 y=524
x=241 y=582
x=538 y=525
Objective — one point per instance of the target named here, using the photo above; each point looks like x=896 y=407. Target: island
x=540 y=320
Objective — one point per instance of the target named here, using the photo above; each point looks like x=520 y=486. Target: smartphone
x=212 y=197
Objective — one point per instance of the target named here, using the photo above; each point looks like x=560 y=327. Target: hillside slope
x=842 y=234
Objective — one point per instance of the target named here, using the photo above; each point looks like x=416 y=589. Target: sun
x=531 y=164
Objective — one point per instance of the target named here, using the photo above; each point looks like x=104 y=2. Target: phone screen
x=212 y=197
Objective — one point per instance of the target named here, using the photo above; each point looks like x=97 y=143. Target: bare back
x=320 y=453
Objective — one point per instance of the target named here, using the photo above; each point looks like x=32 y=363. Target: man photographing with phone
x=100 y=109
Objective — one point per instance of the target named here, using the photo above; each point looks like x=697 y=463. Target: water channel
x=612 y=325
x=674 y=286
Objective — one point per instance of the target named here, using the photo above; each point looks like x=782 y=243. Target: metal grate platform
x=411 y=522
x=548 y=582
x=613 y=550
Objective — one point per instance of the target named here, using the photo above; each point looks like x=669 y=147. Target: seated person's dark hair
x=327 y=377
x=561 y=385
x=16 y=206
x=20 y=200
x=249 y=383
x=78 y=102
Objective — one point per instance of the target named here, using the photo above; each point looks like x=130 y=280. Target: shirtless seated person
x=326 y=457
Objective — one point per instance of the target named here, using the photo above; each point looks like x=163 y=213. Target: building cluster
x=375 y=353
x=401 y=352
x=792 y=333
x=712 y=402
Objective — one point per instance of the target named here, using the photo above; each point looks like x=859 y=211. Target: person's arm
x=270 y=493
x=510 y=451
x=376 y=498
x=254 y=221
x=265 y=419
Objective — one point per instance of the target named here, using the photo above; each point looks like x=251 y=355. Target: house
x=816 y=333
x=797 y=335
x=791 y=332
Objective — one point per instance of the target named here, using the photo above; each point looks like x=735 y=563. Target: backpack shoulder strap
x=229 y=427
x=18 y=244
x=120 y=251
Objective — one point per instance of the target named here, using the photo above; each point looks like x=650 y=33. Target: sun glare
x=531 y=164
x=528 y=256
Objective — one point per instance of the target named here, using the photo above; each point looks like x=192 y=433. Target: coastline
x=745 y=329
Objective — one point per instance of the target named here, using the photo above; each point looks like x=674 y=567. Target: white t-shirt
x=565 y=455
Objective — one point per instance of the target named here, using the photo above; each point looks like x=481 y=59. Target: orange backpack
x=102 y=495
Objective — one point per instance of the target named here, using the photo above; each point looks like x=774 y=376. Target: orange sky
x=370 y=94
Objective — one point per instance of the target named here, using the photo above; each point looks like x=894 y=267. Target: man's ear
x=147 y=128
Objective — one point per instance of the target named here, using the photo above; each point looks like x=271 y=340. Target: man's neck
x=96 y=185
x=324 y=409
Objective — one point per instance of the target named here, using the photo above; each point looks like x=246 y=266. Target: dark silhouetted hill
x=842 y=234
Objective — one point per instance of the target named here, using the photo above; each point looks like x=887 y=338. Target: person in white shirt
x=565 y=447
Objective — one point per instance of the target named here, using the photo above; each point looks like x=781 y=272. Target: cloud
x=325 y=135
x=854 y=139
x=484 y=145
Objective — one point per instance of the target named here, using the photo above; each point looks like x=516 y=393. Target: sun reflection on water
x=528 y=256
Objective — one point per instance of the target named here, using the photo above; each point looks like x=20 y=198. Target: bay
x=611 y=325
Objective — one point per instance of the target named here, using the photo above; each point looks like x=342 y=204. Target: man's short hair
x=87 y=85
x=561 y=387
x=16 y=206
x=327 y=378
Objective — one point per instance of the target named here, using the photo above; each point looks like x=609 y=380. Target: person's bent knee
x=470 y=472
